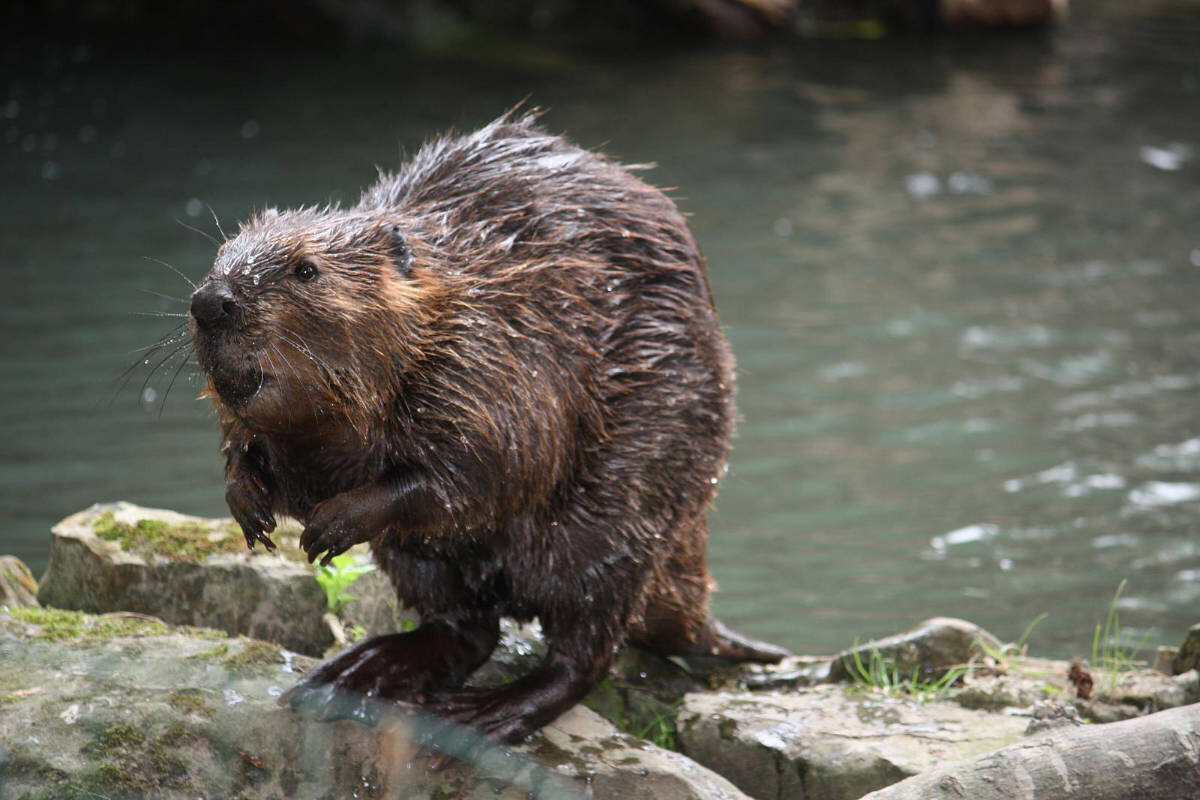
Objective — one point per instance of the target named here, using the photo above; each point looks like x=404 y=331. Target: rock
x=122 y=706
x=998 y=692
x=1189 y=652
x=830 y=743
x=17 y=586
x=1149 y=690
x=790 y=673
x=1048 y=715
x=1152 y=756
x=186 y=571
x=1164 y=659
x=932 y=648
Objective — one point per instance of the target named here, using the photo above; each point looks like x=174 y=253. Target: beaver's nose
x=213 y=305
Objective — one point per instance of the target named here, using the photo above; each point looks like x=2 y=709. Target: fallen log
x=1155 y=756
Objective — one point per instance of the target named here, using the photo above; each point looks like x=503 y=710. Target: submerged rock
x=124 y=706
x=186 y=571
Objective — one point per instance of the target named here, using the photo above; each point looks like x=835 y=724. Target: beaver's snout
x=214 y=305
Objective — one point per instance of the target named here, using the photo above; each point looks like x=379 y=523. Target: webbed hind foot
x=395 y=667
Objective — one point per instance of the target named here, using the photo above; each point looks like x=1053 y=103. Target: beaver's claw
x=249 y=501
x=339 y=523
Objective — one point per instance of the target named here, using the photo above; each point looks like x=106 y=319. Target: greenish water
x=961 y=278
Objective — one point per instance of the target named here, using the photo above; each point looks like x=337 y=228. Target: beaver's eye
x=306 y=271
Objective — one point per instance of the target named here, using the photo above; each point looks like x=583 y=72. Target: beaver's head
x=308 y=315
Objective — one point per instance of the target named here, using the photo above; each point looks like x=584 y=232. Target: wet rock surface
x=123 y=706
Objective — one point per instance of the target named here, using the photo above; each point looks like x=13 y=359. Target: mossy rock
x=185 y=571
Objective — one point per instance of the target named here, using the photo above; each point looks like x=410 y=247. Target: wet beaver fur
x=503 y=369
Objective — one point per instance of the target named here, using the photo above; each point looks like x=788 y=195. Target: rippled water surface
x=961 y=278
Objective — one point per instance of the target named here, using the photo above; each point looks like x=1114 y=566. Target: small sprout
x=336 y=577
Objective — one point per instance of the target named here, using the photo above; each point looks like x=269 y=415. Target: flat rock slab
x=124 y=706
x=186 y=571
x=830 y=743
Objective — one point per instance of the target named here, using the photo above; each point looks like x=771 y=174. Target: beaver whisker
x=163 y=296
x=275 y=371
x=224 y=235
x=312 y=403
x=163 y=404
x=205 y=234
x=176 y=335
x=173 y=269
x=159 y=365
x=157 y=314
x=304 y=348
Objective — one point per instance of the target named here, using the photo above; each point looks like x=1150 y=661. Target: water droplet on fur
x=255 y=280
x=713 y=480
x=462 y=439
x=533 y=373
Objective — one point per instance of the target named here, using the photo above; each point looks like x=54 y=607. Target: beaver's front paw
x=250 y=503
x=342 y=521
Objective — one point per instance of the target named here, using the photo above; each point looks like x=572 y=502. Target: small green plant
x=661 y=730
x=999 y=655
x=1023 y=643
x=882 y=674
x=1108 y=653
x=337 y=577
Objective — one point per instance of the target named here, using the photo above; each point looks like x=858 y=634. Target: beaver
x=502 y=368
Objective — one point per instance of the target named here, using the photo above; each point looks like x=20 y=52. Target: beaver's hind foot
x=395 y=667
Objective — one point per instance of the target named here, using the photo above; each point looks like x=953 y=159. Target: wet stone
x=186 y=571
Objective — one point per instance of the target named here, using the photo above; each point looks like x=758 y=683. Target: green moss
x=189 y=701
x=129 y=762
x=220 y=651
x=176 y=734
x=57 y=624
x=111 y=742
x=255 y=654
x=109 y=778
x=182 y=541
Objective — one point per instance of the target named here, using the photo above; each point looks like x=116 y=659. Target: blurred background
x=959 y=264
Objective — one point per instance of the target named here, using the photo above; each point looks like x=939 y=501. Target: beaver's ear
x=400 y=251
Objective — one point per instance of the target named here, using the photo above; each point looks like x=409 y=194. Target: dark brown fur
x=508 y=376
